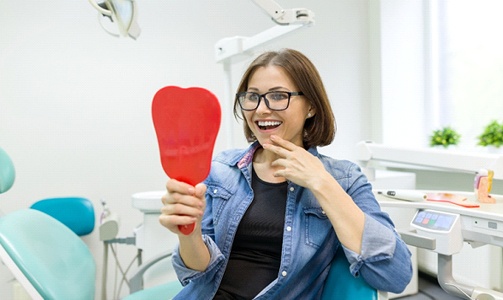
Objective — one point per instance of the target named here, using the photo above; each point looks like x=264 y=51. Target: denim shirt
x=309 y=240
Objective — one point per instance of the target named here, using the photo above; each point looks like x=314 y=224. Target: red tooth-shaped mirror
x=186 y=122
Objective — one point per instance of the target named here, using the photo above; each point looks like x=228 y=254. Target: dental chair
x=45 y=255
x=47 y=258
x=51 y=262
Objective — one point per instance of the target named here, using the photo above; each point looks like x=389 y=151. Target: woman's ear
x=311 y=113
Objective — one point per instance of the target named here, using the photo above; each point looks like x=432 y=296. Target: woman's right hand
x=183 y=204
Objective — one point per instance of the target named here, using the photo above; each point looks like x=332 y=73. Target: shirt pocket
x=317 y=224
x=219 y=198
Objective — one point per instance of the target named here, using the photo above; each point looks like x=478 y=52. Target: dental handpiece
x=407 y=195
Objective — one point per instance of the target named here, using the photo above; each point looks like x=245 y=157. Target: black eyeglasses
x=275 y=100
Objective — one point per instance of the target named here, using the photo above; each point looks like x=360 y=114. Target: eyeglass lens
x=273 y=100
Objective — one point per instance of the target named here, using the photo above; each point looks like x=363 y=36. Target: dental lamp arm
x=101 y=9
x=121 y=12
x=285 y=16
x=295 y=18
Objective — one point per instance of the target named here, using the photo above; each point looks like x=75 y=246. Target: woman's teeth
x=268 y=124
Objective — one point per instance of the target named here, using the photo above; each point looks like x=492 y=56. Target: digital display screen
x=434 y=220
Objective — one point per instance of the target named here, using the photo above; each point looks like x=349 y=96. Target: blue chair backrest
x=76 y=213
x=341 y=284
x=7 y=172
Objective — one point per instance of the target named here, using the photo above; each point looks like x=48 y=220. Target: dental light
x=123 y=13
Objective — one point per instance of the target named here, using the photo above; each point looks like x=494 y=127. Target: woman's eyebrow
x=271 y=89
x=278 y=88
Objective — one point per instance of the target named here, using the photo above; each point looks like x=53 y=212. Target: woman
x=269 y=219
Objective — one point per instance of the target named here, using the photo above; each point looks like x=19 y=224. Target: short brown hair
x=320 y=129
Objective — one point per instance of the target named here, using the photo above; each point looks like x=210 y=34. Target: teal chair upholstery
x=51 y=262
x=46 y=257
x=42 y=248
x=7 y=172
x=76 y=213
x=340 y=284
x=161 y=292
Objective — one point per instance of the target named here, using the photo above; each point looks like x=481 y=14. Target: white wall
x=399 y=82
x=75 y=102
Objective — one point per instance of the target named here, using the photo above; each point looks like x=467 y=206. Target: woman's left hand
x=302 y=168
x=298 y=165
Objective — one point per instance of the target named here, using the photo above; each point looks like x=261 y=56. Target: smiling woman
x=310 y=86
x=287 y=123
x=280 y=199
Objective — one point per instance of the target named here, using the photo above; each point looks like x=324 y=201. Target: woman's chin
x=264 y=139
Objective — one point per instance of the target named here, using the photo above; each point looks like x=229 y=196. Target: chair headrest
x=7 y=172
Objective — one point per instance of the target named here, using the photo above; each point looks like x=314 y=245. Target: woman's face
x=264 y=122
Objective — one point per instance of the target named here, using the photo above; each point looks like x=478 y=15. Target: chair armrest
x=136 y=281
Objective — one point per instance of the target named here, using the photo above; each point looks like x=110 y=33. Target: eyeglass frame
x=290 y=94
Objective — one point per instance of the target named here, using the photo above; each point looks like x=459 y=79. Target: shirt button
x=288 y=228
x=323 y=212
x=215 y=191
x=292 y=189
x=283 y=273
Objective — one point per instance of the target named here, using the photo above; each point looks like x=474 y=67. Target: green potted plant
x=444 y=137
x=492 y=135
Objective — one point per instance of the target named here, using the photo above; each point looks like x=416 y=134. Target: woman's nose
x=262 y=106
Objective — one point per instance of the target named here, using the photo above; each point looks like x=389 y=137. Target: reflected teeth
x=269 y=123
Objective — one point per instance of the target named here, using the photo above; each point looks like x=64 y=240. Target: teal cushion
x=7 y=172
x=57 y=262
x=76 y=213
x=341 y=284
x=160 y=292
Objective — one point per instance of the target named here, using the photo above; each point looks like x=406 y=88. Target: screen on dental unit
x=434 y=220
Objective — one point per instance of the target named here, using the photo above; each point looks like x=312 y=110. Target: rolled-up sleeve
x=384 y=260
x=184 y=274
x=378 y=243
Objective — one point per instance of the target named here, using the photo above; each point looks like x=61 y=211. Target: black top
x=256 y=253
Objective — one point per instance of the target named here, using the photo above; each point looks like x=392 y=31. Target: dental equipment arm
x=121 y=12
x=287 y=19
x=285 y=16
x=136 y=281
x=444 y=228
